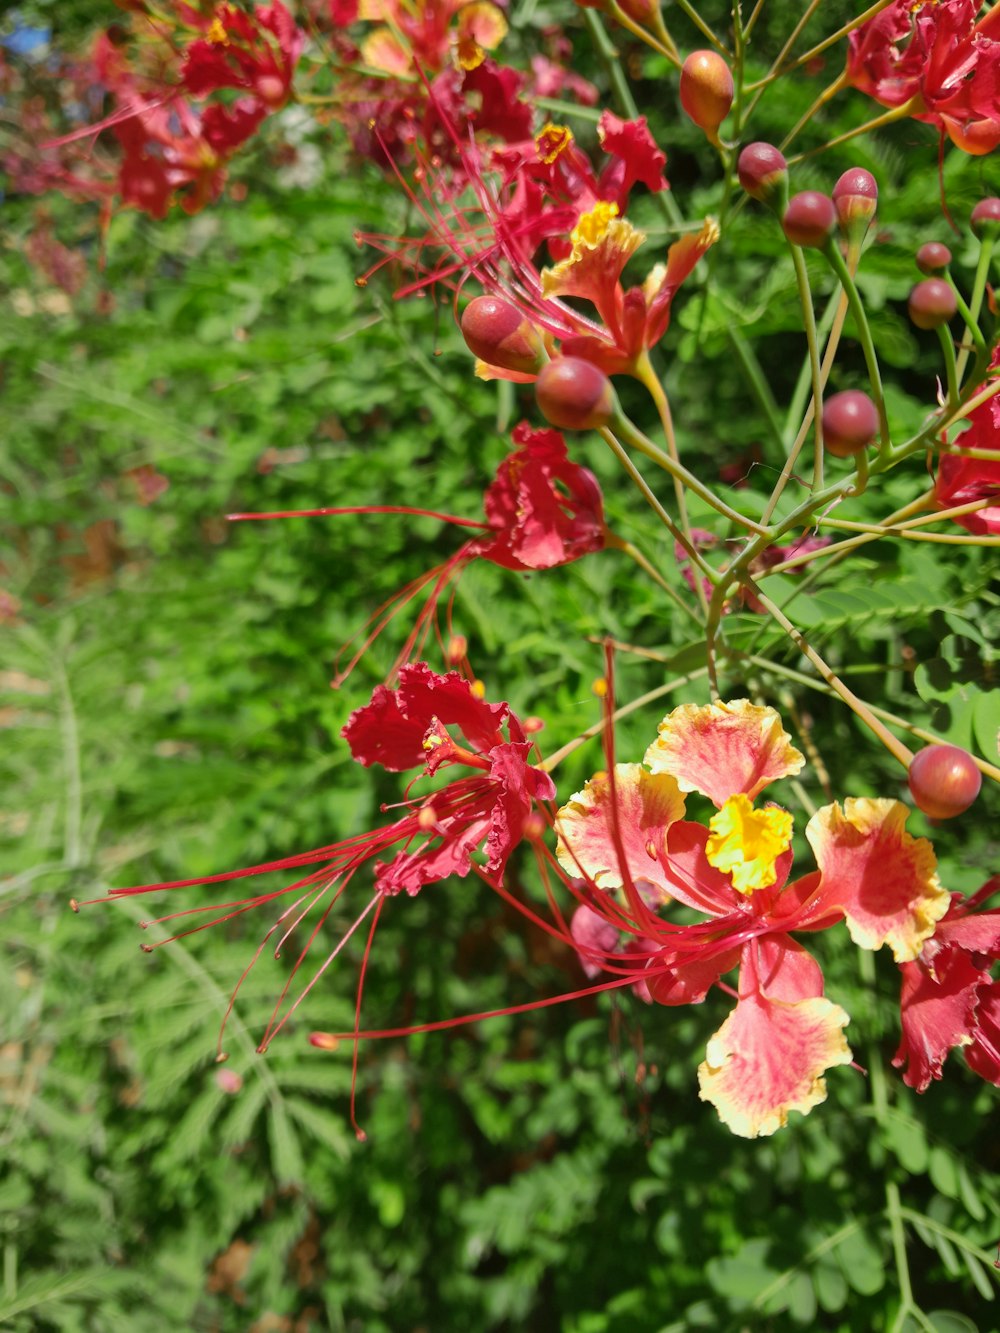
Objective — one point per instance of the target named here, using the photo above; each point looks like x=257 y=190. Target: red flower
x=936 y=55
x=948 y=997
x=624 y=833
x=431 y=722
x=962 y=480
x=256 y=52
x=542 y=511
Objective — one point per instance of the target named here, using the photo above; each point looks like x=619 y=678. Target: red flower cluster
x=432 y=723
x=174 y=150
x=934 y=55
x=963 y=479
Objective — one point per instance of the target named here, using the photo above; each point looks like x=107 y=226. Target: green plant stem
x=809 y=323
x=837 y=262
x=858 y=706
x=829 y=92
x=777 y=68
x=978 y=291
x=645 y=564
x=931 y=738
x=975 y=332
x=633 y=436
x=888 y=118
x=950 y=368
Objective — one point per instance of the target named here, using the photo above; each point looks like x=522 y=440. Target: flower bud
x=574 y=394
x=809 y=219
x=855 y=197
x=499 y=334
x=944 y=780
x=931 y=303
x=850 y=423
x=706 y=90
x=933 y=257
x=985 y=220
x=763 y=173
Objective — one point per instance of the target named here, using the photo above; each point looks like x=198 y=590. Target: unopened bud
x=324 y=1041
x=933 y=257
x=574 y=394
x=855 y=197
x=850 y=423
x=944 y=780
x=809 y=219
x=706 y=90
x=985 y=219
x=534 y=826
x=499 y=334
x=763 y=173
x=932 y=303
x=458 y=647
x=532 y=725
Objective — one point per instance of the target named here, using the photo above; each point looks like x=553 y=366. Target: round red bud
x=933 y=257
x=499 y=334
x=944 y=780
x=574 y=394
x=931 y=303
x=706 y=89
x=763 y=172
x=855 y=197
x=850 y=423
x=810 y=219
x=985 y=220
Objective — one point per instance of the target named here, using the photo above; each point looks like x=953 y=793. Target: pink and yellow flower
x=626 y=835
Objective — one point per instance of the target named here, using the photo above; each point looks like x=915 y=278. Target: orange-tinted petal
x=883 y=878
x=723 y=749
x=647 y=806
x=382 y=50
x=768 y=1058
x=480 y=25
x=603 y=243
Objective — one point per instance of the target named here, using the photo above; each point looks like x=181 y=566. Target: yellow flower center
x=747 y=842
x=468 y=53
x=592 y=227
x=217 y=34
x=552 y=140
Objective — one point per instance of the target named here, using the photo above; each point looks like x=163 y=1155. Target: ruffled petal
x=647 y=806
x=769 y=1056
x=937 y=1012
x=723 y=749
x=883 y=878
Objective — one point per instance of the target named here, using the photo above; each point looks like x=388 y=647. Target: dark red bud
x=499 y=334
x=763 y=172
x=810 y=219
x=855 y=197
x=932 y=303
x=933 y=257
x=706 y=89
x=850 y=423
x=574 y=394
x=985 y=220
x=944 y=780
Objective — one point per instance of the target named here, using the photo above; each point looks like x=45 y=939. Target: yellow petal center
x=592 y=227
x=551 y=141
x=747 y=842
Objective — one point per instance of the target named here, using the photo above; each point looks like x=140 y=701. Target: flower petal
x=768 y=1059
x=723 y=749
x=937 y=1012
x=882 y=877
x=647 y=806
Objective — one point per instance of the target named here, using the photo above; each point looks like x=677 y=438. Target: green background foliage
x=166 y=710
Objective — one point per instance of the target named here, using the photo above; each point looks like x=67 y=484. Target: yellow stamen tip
x=747 y=843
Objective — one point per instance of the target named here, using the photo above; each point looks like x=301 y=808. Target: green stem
x=978 y=290
x=632 y=435
x=950 y=368
x=835 y=259
x=809 y=322
x=759 y=386
x=645 y=564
